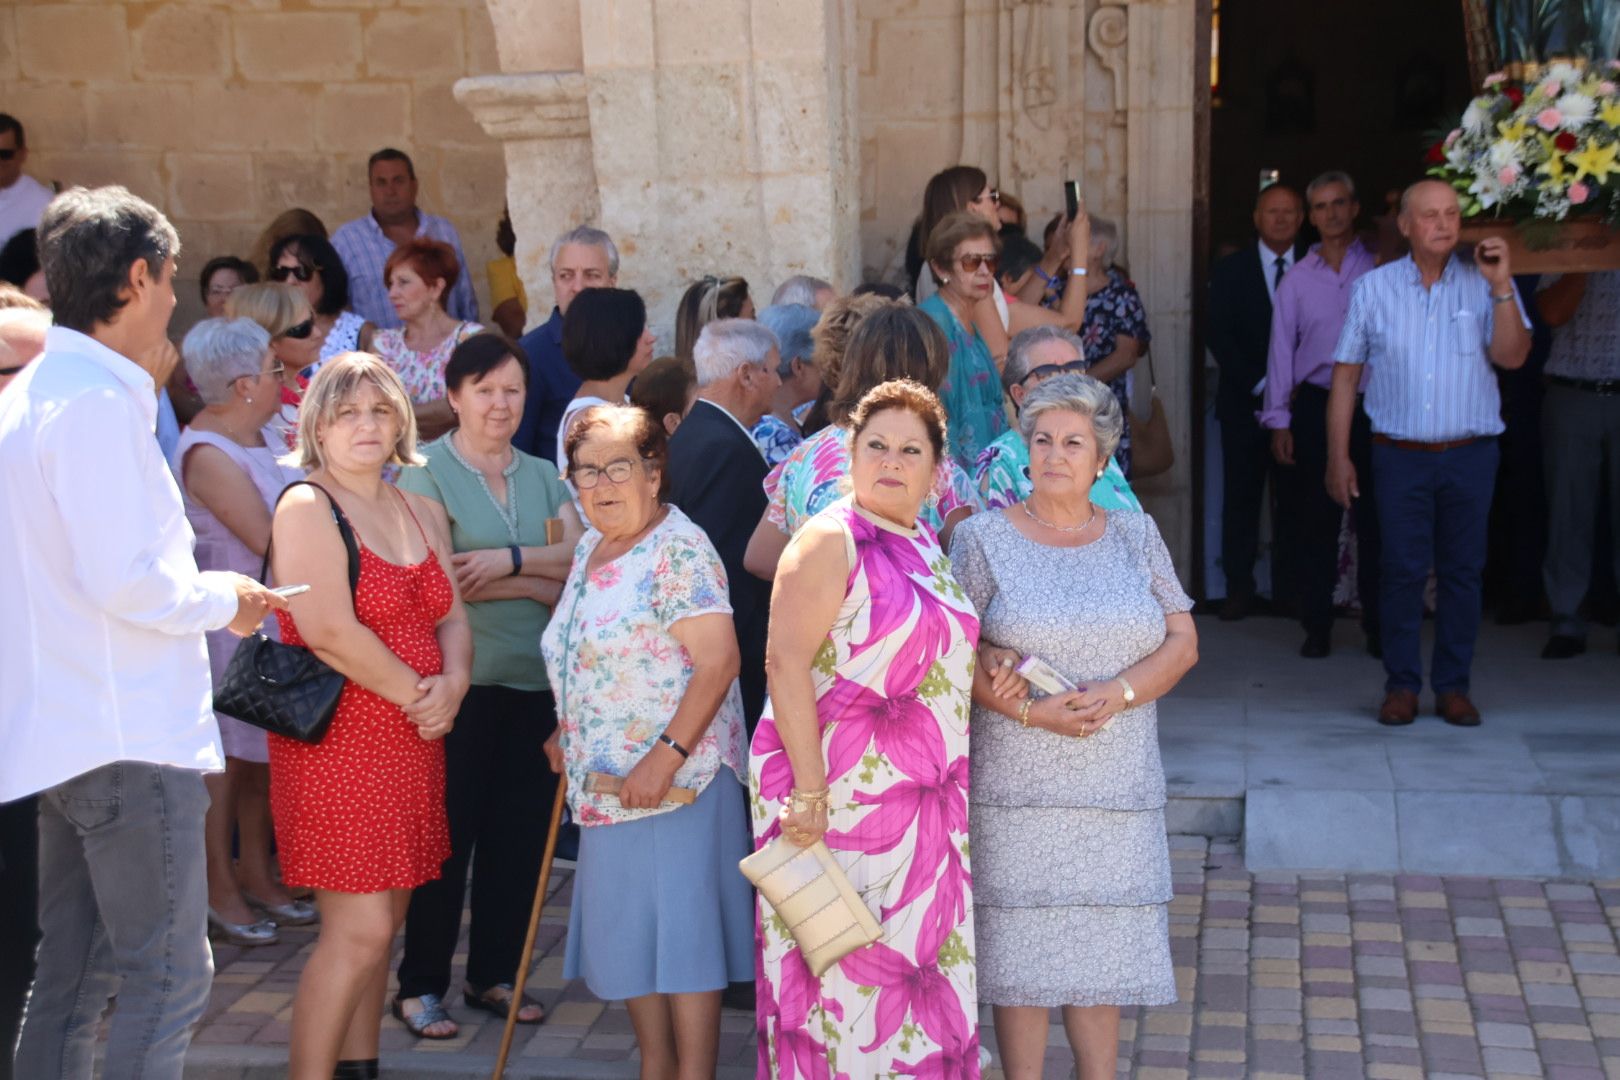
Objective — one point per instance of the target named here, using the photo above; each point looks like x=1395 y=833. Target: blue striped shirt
x=1428 y=376
x=364 y=249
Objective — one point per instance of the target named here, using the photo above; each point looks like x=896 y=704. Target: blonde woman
x=295 y=341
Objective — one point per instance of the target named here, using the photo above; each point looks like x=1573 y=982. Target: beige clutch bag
x=807 y=889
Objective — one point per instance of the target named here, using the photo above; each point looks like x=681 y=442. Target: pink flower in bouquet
x=1549 y=119
x=1553 y=88
x=1508 y=174
x=1579 y=193
x=1496 y=78
x=1456 y=133
x=1607 y=88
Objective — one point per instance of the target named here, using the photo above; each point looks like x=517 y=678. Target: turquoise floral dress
x=892 y=685
x=972 y=391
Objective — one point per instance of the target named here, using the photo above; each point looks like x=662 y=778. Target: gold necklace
x=1062 y=528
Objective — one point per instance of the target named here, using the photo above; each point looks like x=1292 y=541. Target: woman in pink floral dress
x=864 y=743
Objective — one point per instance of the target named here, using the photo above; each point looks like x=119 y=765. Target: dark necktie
x=1276 y=282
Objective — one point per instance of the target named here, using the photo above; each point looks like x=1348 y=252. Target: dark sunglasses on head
x=9 y=152
x=1046 y=371
x=971 y=262
x=282 y=273
x=301 y=331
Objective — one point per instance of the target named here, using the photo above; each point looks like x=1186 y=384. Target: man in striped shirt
x=1427 y=329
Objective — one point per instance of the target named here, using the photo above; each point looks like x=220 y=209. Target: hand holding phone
x=286 y=591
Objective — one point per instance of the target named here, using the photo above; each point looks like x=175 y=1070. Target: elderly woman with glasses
x=780 y=430
x=221 y=276
x=311 y=264
x=419 y=275
x=962 y=252
x=643 y=658
x=1071 y=871
x=230 y=478
x=286 y=314
x=1002 y=471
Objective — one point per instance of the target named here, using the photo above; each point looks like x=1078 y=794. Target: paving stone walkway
x=1390 y=977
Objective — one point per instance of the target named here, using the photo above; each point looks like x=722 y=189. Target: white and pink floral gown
x=893 y=684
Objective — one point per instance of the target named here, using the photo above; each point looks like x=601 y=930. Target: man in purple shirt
x=1306 y=321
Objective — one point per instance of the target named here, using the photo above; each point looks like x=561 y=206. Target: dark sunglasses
x=301 y=331
x=7 y=153
x=282 y=273
x=12 y=370
x=971 y=262
x=1046 y=371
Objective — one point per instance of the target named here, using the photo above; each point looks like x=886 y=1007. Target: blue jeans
x=1432 y=512
x=123 y=905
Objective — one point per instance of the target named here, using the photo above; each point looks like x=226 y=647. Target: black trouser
x=1247 y=465
x=1321 y=517
x=19 y=917
x=498 y=794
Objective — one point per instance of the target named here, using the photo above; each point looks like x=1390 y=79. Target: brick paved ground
x=1282 y=975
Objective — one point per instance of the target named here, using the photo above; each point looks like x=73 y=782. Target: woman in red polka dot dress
x=360 y=816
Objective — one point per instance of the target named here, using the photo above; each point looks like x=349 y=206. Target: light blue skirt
x=659 y=904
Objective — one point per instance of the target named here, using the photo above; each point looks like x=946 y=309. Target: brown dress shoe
x=1454 y=708
x=1399 y=708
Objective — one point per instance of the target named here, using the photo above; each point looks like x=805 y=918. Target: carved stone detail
x=1107 y=35
x=533 y=105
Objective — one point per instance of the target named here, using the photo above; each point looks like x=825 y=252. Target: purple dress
x=219 y=549
x=893 y=682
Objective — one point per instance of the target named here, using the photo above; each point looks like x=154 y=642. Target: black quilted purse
x=286 y=689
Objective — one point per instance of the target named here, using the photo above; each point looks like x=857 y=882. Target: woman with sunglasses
x=230 y=478
x=962 y=254
x=311 y=264
x=295 y=341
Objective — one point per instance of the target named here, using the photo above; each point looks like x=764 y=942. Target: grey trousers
x=123 y=909
x=1581 y=437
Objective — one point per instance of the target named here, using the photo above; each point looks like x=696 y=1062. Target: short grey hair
x=791 y=323
x=727 y=344
x=1078 y=394
x=220 y=351
x=1025 y=342
x=1332 y=176
x=799 y=289
x=1106 y=231
x=592 y=237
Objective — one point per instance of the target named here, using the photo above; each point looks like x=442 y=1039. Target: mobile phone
x=1268 y=177
x=1071 y=198
x=286 y=591
x=1043 y=676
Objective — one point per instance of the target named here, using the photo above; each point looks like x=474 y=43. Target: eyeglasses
x=9 y=152
x=222 y=290
x=301 y=272
x=994 y=195
x=1046 y=371
x=278 y=370
x=301 y=331
x=971 y=262
x=586 y=477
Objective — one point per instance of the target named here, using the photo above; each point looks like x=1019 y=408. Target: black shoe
x=1562 y=647
x=1316 y=646
x=1237 y=608
x=1375 y=645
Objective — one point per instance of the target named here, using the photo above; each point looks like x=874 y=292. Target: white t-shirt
x=21 y=205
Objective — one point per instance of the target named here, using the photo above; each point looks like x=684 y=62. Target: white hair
x=1106 y=232
x=592 y=237
x=1026 y=341
x=1077 y=394
x=220 y=351
x=727 y=344
x=799 y=289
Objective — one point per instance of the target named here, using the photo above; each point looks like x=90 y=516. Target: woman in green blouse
x=498 y=786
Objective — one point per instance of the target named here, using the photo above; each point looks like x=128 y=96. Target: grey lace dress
x=1071 y=870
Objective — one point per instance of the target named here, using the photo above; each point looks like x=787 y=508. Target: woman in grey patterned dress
x=1071 y=871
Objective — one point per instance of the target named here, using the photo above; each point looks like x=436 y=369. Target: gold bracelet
x=1023 y=711
x=809 y=801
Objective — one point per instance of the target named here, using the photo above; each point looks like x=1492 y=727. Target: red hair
x=431 y=260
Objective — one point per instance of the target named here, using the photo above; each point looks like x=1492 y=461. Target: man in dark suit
x=1241 y=288
x=717 y=474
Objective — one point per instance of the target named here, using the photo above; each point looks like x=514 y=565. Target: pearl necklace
x=1062 y=528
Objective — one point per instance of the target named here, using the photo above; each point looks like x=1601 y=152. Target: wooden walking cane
x=534 y=927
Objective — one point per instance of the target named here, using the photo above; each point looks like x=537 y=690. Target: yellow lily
x=1553 y=167
x=1595 y=161
x=1518 y=129
x=1610 y=113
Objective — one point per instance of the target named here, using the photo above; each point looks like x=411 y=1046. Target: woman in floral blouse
x=1115 y=330
x=419 y=275
x=642 y=657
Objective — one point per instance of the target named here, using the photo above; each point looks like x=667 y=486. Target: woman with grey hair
x=1115 y=330
x=803 y=289
x=1071 y=871
x=230 y=479
x=781 y=429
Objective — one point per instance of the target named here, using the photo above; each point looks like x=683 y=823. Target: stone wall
x=225 y=112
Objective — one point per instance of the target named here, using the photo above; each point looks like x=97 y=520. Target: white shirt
x=21 y=205
x=740 y=427
x=102 y=656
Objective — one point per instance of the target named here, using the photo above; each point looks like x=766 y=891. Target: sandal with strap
x=432 y=1012
x=480 y=999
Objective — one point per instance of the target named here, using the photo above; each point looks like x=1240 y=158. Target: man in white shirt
x=22 y=198
x=106 y=710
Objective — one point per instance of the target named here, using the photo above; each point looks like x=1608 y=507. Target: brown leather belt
x=1426 y=447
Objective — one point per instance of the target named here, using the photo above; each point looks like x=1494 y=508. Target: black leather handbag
x=286 y=689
